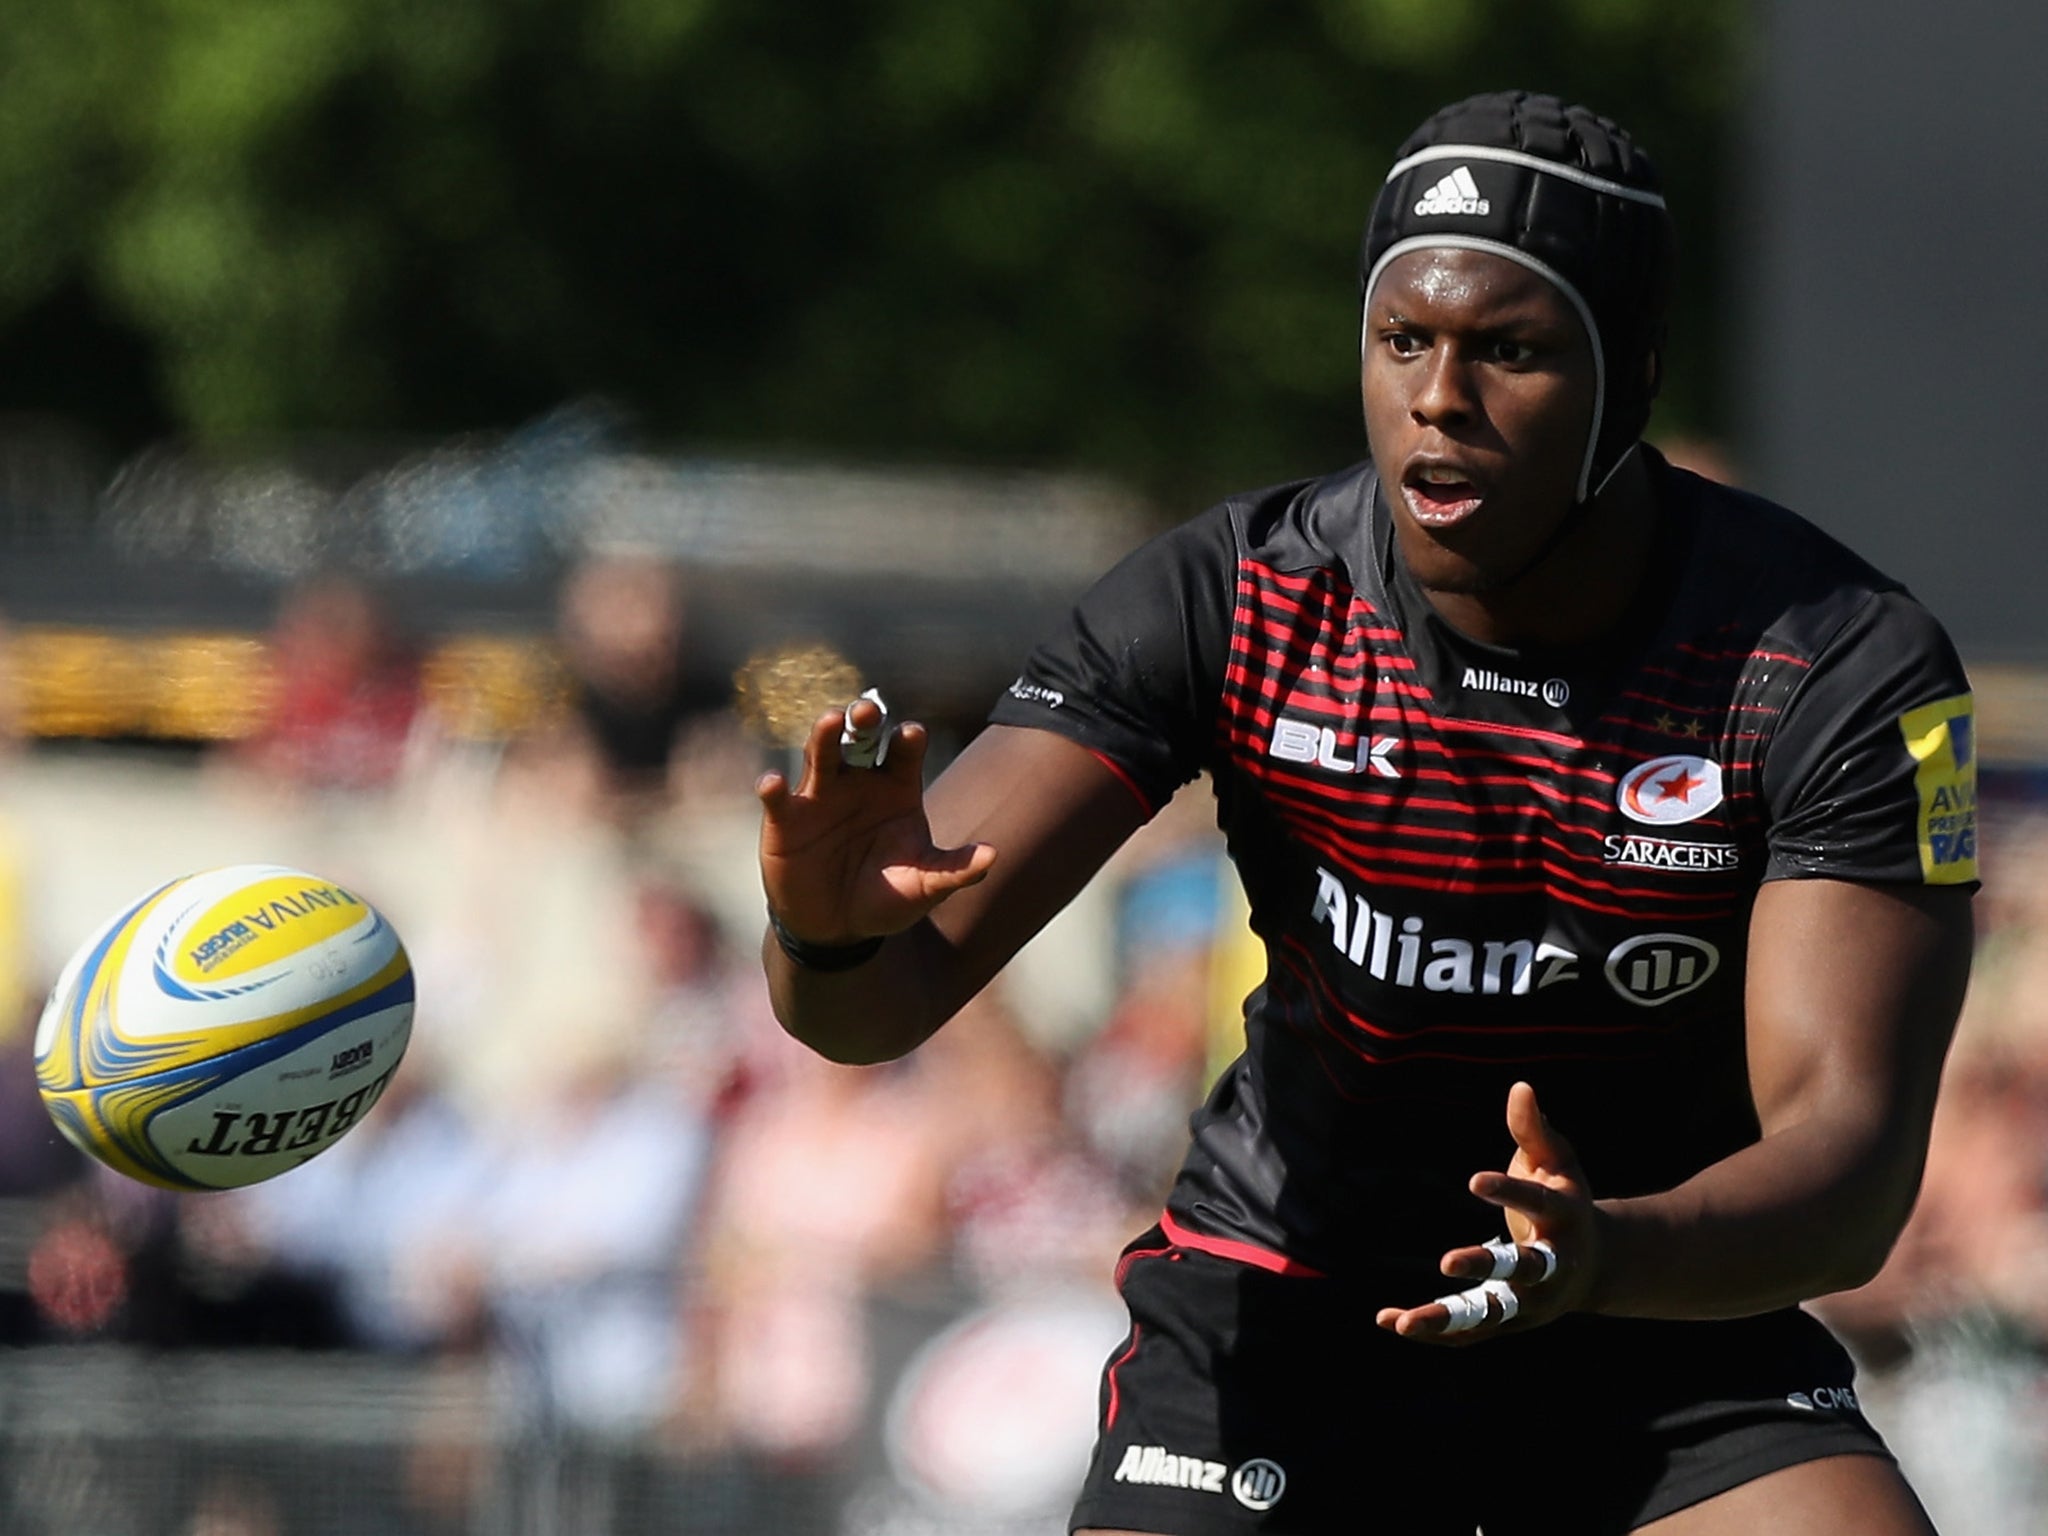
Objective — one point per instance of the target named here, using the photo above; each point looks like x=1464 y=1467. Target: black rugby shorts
x=1243 y=1400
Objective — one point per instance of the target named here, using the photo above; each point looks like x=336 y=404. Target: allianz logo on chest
x=1647 y=969
x=1554 y=691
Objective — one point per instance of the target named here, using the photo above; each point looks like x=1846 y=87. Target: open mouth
x=1439 y=496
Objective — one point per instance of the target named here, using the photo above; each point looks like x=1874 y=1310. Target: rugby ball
x=225 y=1028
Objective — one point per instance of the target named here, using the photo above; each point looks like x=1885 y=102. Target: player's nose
x=1443 y=391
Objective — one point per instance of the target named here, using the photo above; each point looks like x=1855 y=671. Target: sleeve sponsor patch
x=1942 y=740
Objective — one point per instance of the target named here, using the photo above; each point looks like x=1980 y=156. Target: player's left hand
x=1544 y=1195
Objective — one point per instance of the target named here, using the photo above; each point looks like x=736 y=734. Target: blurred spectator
x=830 y=1185
x=347 y=700
x=621 y=623
x=1953 y=1331
x=233 y=1506
x=581 y=1231
x=34 y=1159
x=711 y=1032
x=1029 y=1205
x=1132 y=1088
x=381 y=1217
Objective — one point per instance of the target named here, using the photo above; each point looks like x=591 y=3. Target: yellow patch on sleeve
x=1942 y=739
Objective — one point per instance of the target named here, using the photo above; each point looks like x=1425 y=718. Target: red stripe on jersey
x=1570 y=743
x=1359 y=865
x=1330 y=1002
x=1230 y=1248
x=1274 y=769
x=1144 y=800
x=1261 y=681
x=1288 y=582
x=1742 y=655
x=1381 y=863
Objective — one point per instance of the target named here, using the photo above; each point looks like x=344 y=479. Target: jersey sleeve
x=1871 y=773
x=1135 y=674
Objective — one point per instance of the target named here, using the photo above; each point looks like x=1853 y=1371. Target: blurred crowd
x=608 y=1186
x=604 y=1181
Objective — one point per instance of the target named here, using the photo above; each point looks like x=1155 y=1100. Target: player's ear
x=1653 y=372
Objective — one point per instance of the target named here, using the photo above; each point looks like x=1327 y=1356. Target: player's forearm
x=1807 y=1211
x=873 y=1012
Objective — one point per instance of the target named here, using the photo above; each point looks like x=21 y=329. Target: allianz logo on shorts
x=1258 y=1484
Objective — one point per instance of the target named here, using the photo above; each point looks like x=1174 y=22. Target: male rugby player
x=1610 y=836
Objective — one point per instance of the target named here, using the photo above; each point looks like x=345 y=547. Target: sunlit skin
x=1478 y=383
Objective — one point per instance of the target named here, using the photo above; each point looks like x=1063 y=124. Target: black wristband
x=823 y=957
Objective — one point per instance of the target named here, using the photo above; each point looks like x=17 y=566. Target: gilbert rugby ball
x=225 y=1028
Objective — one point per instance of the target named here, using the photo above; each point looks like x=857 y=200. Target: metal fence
x=104 y=1441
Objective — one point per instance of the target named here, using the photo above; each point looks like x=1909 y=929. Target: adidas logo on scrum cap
x=1456 y=193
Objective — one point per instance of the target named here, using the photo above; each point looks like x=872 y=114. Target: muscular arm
x=1048 y=809
x=1853 y=992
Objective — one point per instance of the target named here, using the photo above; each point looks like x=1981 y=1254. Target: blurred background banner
x=457 y=448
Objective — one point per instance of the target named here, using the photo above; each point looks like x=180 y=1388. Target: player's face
x=1478 y=382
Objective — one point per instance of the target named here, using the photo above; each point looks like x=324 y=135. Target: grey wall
x=1895 y=372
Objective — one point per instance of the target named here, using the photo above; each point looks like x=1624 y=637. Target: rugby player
x=1610 y=836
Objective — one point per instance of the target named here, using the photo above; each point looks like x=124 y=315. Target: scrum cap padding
x=1565 y=193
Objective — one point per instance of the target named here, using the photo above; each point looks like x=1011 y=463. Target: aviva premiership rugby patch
x=1941 y=738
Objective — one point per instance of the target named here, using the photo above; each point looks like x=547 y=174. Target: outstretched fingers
x=1529 y=1263
x=1539 y=1142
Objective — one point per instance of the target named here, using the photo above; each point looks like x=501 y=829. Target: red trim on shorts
x=1123 y=1265
x=1230 y=1248
x=1109 y=1418
x=1144 y=800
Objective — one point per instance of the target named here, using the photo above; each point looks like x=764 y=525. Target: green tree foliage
x=1116 y=233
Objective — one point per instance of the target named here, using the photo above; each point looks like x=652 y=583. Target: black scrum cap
x=1565 y=193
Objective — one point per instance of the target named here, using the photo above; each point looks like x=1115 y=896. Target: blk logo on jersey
x=1652 y=969
x=1668 y=790
x=1298 y=741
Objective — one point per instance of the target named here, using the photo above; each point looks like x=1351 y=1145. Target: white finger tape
x=1503 y=1293
x=1467 y=1309
x=1470 y=1308
x=865 y=748
x=1505 y=1257
x=1549 y=1260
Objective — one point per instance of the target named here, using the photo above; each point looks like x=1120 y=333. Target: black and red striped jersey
x=1471 y=865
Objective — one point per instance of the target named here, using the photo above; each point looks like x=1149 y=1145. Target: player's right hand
x=847 y=854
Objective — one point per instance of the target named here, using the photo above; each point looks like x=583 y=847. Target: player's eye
x=1402 y=343
x=1513 y=353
